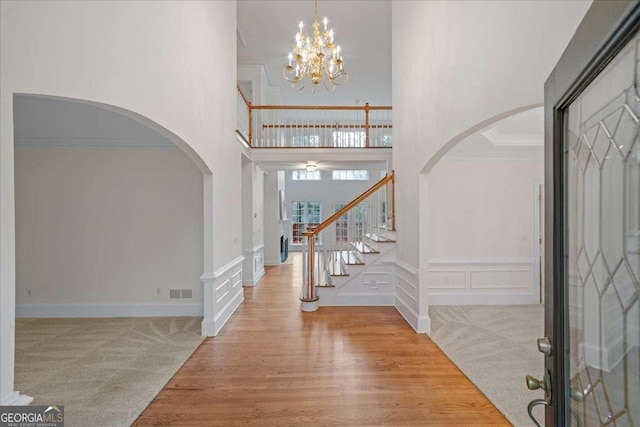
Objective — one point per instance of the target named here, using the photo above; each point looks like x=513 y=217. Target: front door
x=592 y=217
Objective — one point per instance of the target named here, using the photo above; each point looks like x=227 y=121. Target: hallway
x=274 y=365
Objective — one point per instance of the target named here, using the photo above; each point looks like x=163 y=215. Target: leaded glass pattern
x=602 y=155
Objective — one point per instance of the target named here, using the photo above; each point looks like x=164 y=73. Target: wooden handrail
x=352 y=204
x=333 y=126
x=243 y=97
x=316 y=107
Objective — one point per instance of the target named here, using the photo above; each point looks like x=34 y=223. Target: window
x=305 y=141
x=354 y=139
x=354 y=221
x=304 y=175
x=351 y=175
x=387 y=141
x=303 y=215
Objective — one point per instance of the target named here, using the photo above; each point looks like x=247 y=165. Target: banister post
x=250 y=124
x=309 y=299
x=393 y=200
x=366 y=124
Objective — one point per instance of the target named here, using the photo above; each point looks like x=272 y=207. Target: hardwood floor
x=273 y=365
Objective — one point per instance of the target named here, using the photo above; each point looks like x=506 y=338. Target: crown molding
x=513 y=140
x=531 y=154
x=53 y=142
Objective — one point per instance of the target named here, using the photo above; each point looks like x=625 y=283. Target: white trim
x=274 y=263
x=225 y=268
x=16 y=399
x=89 y=310
x=255 y=249
x=513 y=140
x=54 y=142
x=481 y=299
x=328 y=298
x=211 y=327
x=480 y=261
x=406 y=267
x=252 y=282
x=495 y=156
x=421 y=324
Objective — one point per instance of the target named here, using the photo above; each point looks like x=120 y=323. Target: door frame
x=538 y=233
x=604 y=31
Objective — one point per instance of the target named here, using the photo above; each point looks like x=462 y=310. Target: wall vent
x=187 y=293
x=174 y=293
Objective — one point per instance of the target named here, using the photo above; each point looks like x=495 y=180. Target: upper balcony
x=313 y=127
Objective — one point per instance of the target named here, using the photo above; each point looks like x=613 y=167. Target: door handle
x=545 y=384
x=532 y=404
x=535 y=384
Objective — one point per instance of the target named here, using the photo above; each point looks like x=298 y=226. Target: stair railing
x=342 y=238
x=307 y=126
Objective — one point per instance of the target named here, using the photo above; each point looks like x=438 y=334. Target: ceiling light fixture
x=317 y=59
x=311 y=167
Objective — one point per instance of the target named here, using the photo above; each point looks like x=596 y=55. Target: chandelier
x=317 y=59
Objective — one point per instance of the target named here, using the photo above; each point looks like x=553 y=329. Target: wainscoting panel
x=223 y=294
x=373 y=286
x=253 y=269
x=482 y=281
x=406 y=299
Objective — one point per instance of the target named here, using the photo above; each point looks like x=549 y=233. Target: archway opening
x=109 y=226
x=481 y=250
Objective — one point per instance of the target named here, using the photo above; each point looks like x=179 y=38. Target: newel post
x=309 y=299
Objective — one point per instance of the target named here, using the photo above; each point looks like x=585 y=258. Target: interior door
x=592 y=224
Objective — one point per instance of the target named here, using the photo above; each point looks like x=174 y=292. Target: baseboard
x=272 y=263
x=255 y=280
x=89 y=310
x=420 y=323
x=329 y=299
x=484 y=299
x=16 y=399
x=211 y=327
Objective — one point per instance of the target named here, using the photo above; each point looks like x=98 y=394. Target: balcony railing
x=284 y=126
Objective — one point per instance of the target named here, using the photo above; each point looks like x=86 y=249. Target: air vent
x=174 y=293
x=187 y=293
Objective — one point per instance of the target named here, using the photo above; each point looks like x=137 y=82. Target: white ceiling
x=362 y=29
x=521 y=135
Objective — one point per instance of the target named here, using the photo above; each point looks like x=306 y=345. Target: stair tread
x=350 y=258
x=336 y=268
x=363 y=248
x=378 y=238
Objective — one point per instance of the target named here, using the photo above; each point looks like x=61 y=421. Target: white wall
x=481 y=59
x=481 y=231
x=161 y=62
x=107 y=226
x=327 y=191
x=482 y=208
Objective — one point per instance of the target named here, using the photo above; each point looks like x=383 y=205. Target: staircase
x=344 y=258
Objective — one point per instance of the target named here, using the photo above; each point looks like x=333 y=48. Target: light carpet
x=495 y=347
x=104 y=371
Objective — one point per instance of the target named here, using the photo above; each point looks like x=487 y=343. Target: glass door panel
x=602 y=254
